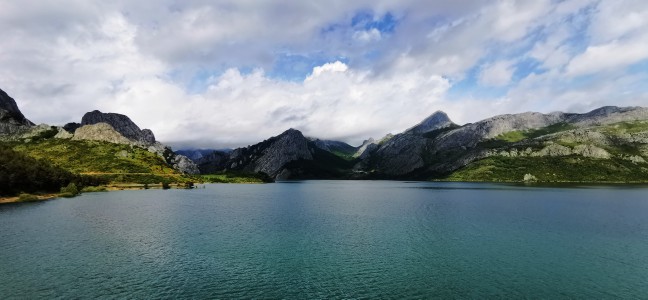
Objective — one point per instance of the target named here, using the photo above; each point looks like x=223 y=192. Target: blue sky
x=230 y=73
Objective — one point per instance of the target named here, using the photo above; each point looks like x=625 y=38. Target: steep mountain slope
x=12 y=121
x=435 y=121
x=196 y=154
x=287 y=156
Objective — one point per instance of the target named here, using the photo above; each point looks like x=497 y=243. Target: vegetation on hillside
x=46 y=164
x=572 y=168
x=519 y=135
x=95 y=156
x=324 y=165
x=552 y=169
x=20 y=173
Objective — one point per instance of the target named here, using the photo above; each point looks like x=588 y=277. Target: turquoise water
x=330 y=239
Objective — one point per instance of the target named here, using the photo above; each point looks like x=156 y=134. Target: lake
x=331 y=239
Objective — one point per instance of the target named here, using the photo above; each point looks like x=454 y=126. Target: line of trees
x=20 y=173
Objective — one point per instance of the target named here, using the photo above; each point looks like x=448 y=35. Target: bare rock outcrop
x=12 y=121
x=271 y=155
x=100 y=132
x=121 y=124
x=437 y=120
x=184 y=165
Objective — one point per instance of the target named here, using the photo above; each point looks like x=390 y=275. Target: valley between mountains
x=609 y=145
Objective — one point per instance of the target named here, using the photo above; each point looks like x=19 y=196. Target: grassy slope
x=113 y=162
x=519 y=135
x=20 y=173
x=559 y=169
x=552 y=169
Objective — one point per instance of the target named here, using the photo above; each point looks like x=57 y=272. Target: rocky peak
x=435 y=121
x=269 y=156
x=100 y=132
x=12 y=122
x=121 y=124
x=9 y=110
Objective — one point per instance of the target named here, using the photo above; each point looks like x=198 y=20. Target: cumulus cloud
x=205 y=73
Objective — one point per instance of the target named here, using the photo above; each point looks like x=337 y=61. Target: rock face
x=366 y=144
x=12 y=121
x=471 y=134
x=100 y=132
x=184 y=165
x=71 y=127
x=403 y=153
x=400 y=155
x=197 y=154
x=608 y=115
x=271 y=155
x=212 y=162
x=436 y=121
x=121 y=124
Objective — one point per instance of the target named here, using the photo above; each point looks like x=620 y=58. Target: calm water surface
x=330 y=239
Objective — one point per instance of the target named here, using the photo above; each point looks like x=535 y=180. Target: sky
x=230 y=73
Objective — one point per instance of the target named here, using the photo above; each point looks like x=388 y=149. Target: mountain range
x=608 y=144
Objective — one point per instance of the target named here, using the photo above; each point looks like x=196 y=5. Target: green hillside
x=626 y=143
x=114 y=163
x=552 y=169
x=20 y=173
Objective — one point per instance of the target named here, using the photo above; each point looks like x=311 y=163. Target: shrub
x=70 y=190
x=27 y=198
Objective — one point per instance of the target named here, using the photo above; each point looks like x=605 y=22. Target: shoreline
x=102 y=188
x=157 y=186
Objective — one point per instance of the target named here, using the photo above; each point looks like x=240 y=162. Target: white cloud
x=496 y=74
x=63 y=59
x=328 y=67
x=618 y=33
x=611 y=56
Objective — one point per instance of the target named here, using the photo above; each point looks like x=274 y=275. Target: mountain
x=611 y=137
x=289 y=155
x=338 y=148
x=99 y=134
x=120 y=129
x=608 y=144
x=12 y=121
x=435 y=121
x=121 y=124
x=196 y=154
